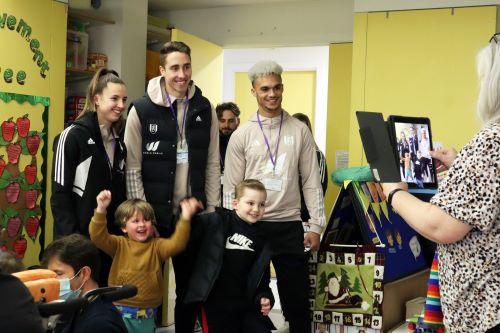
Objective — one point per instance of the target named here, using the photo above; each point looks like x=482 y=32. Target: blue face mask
x=65 y=292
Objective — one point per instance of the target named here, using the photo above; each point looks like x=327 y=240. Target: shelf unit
x=77 y=78
x=76 y=74
x=157 y=36
x=87 y=17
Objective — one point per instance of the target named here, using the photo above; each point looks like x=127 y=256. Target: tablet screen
x=412 y=140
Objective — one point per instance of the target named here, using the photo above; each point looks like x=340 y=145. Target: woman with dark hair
x=323 y=169
x=89 y=156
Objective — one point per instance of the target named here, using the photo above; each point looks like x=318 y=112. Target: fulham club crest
x=153 y=128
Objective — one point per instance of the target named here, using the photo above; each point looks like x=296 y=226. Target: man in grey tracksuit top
x=275 y=148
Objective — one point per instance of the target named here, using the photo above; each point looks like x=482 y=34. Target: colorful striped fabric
x=433 y=316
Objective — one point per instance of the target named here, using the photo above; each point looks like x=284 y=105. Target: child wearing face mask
x=230 y=278
x=138 y=256
x=76 y=261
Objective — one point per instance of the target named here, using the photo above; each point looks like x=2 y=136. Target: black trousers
x=231 y=316
x=291 y=265
x=183 y=263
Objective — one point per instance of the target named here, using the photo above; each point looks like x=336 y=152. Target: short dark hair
x=227 y=106
x=173 y=46
x=76 y=251
x=303 y=118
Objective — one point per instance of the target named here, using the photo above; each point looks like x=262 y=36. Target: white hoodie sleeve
x=133 y=142
x=234 y=170
x=311 y=185
x=212 y=181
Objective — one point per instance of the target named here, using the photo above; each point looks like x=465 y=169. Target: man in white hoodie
x=275 y=148
x=172 y=139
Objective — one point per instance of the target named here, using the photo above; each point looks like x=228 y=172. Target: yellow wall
x=339 y=99
x=298 y=96
x=207 y=64
x=419 y=63
x=47 y=20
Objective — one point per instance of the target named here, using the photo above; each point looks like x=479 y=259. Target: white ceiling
x=164 y=5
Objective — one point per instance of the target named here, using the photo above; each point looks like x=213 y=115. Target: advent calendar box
x=366 y=250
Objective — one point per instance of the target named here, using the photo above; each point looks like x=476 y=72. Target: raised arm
x=169 y=247
x=98 y=229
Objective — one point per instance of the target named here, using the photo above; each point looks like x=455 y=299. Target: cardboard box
x=397 y=293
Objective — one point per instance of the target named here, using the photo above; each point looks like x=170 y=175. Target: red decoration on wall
x=29 y=173
x=31 y=196
x=13 y=152
x=8 y=127
x=33 y=142
x=23 y=126
x=2 y=165
x=31 y=226
x=12 y=192
x=20 y=246
x=13 y=226
x=22 y=156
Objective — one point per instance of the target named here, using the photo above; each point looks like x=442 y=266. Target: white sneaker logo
x=198 y=118
x=152 y=146
x=239 y=242
x=91 y=142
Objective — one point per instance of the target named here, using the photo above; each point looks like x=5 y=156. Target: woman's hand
x=445 y=156
x=388 y=187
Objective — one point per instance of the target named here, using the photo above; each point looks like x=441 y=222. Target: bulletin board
x=23 y=155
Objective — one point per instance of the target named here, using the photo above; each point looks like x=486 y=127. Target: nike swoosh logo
x=234 y=246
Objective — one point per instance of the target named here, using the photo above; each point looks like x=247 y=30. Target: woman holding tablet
x=463 y=217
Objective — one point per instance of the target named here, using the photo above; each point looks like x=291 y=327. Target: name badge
x=182 y=157
x=222 y=179
x=272 y=184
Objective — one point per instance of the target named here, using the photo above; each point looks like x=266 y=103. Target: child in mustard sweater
x=137 y=257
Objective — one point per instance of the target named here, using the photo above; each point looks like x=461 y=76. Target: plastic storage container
x=77 y=50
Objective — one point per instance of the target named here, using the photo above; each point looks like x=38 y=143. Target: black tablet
x=412 y=142
x=377 y=146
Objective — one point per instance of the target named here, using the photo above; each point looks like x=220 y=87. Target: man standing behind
x=173 y=152
x=228 y=115
x=413 y=144
x=275 y=148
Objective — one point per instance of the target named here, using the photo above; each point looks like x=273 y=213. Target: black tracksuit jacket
x=80 y=171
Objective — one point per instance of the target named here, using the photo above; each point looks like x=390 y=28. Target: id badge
x=182 y=156
x=272 y=184
x=222 y=179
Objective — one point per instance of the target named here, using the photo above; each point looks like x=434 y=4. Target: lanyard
x=174 y=114
x=275 y=157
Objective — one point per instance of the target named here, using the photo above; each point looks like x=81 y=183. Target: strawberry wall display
x=22 y=169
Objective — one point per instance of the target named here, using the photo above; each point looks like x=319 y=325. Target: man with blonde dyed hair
x=275 y=148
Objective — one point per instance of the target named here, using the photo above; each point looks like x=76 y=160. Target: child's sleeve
x=263 y=290
x=169 y=247
x=99 y=234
